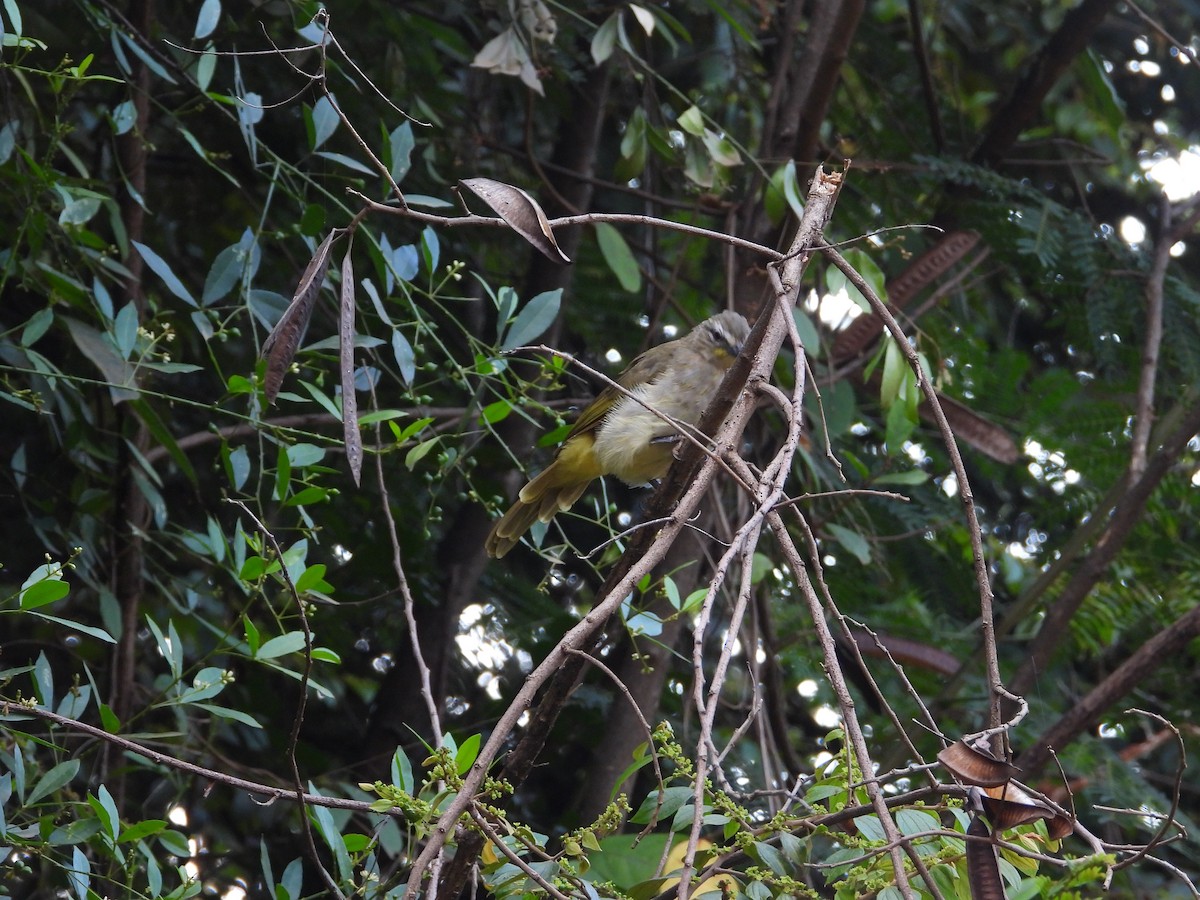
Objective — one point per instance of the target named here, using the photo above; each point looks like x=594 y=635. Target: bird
x=618 y=435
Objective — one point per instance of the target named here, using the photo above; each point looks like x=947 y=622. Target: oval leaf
x=619 y=257
x=532 y=321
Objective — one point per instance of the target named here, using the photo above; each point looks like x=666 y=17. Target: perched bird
x=617 y=435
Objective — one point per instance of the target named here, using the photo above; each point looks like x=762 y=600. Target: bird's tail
x=554 y=490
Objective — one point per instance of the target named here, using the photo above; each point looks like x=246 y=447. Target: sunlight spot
x=1178 y=175
x=670 y=331
x=1167 y=93
x=613 y=355
x=234 y=893
x=950 y=485
x=807 y=688
x=1133 y=232
x=1017 y=551
x=177 y=815
x=826 y=716
x=836 y=310
x=342 y=554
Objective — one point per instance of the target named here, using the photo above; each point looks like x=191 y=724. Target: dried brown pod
x=972 y=766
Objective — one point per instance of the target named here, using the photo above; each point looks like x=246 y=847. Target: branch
x=11 y=710
x=1042 y=72
x=1126 y=513
x=1163 y=647
x=1143 y=412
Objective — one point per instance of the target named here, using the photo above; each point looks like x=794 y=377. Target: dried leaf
x=284 y=340
x=353 y=438
x=973 y=766
x=520 y=211
x=1008 y=806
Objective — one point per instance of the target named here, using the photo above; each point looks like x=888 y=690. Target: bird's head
x=722 y=335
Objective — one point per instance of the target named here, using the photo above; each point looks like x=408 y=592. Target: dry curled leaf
x=520 y=211
x=972 y=766
x=284 y=340
x=354 y=449
x=1008 y=806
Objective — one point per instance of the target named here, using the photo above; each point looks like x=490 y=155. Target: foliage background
x=167 y=174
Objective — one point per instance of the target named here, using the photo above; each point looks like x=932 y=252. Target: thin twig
x=301 y=703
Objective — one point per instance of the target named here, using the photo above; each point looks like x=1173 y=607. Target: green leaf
x=38 y=324
x=619 y=257
x=418 y=453
x=56 y=778
x=604 y=41
x=325 y=121
x=301 y=456
x=534 y=318
x=852 y=541
x=901 y=423
x=234 y=714
x=323 y=819
x=77 y=832
x=252 y=636
x=206 y=21
x=224 y=274
x=109 y=719
x=468 y=751
x=870 y=828
x=79 y=875
x=125 y=330
x=894 y=367
x=174 y=843
x=496 y=412
x=400 y=144
x=292 y=642
x=691 y=120
x=911 y=477
x=770 y=857
x=160 y=268
x=106 y=809
x=89 y=630
x=313 y=579
x=47 y=590
x=402 y=775
x=405 y=357
x=140 y=830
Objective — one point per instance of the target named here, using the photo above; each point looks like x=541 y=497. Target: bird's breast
x=625 y=439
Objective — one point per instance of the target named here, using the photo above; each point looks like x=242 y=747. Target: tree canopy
x=294 y=297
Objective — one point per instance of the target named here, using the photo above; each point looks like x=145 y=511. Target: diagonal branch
x=1043 y=71
x=1126 y=513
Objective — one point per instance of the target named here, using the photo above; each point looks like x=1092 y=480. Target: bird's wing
x=646 y=367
